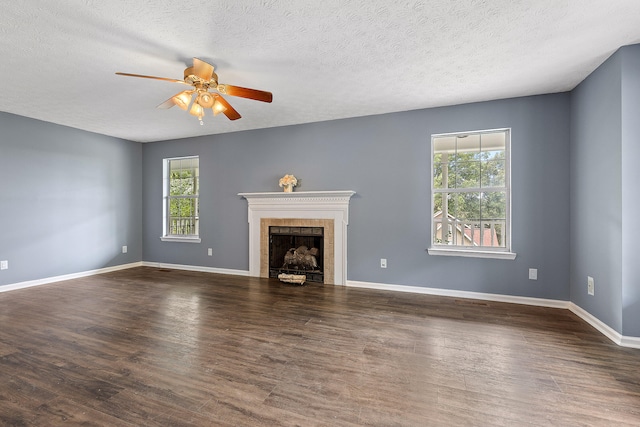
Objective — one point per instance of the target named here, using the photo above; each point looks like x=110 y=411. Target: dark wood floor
x=155 y=347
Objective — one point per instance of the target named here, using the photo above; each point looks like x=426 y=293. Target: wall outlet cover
x=533 y=274
x=4 y=265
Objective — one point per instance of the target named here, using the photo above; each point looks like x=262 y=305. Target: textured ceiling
x=322 y=60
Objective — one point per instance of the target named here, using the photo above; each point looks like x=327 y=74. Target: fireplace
x=298 y=224
x=328 y=210
x=298 y=251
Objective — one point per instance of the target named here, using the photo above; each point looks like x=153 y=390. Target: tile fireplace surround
x=328 y=209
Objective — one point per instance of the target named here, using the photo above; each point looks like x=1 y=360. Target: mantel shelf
x=299 y=195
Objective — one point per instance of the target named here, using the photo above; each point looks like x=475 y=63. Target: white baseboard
x=606 y=330
x=196 y=268
x=631 y=342
x=540 y=302
x=47 y=280
x=603 y=328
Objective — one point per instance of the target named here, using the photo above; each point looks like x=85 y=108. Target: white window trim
x=471 y=252
x=165 y=193
x=182 y=239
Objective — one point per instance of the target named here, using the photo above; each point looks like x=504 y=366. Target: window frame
x=166 y=199
x=473 y=251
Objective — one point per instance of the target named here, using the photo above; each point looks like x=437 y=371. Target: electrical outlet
x=124 y=249
x=383 y=263
x=591 y=286
x=210 y=251
x=533 y=274
x=4 y=265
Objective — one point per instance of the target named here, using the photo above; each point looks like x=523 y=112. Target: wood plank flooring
x=157 y=347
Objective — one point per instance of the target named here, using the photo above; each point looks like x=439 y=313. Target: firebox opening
x=297 y=250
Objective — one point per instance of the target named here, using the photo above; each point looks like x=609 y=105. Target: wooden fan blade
x=229 y=111
x=152 y=77
x=243 y=92
x=202 y=69
x=167 y=104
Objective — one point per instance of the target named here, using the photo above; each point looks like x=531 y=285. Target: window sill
x=181 y=239
x=472 y=253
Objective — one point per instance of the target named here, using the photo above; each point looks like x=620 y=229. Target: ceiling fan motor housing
x=192 y=79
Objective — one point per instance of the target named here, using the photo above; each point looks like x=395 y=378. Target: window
x=181 y=199
x=471 y=193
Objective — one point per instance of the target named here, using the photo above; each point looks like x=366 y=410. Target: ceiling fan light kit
x=183 y=99
x=202 y=78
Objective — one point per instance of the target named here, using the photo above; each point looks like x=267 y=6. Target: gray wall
x=630 y=190
x=605 y=199
x=596 y=193
x=385 y=159
x=69 y=200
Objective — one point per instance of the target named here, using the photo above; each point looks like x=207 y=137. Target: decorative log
x=292 y=278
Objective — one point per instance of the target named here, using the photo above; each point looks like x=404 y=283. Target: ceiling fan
x=198 y=98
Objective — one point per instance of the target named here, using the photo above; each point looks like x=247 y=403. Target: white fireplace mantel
x=301 y=205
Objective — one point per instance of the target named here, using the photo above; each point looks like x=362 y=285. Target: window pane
x=437 y=204
x=183 y=216
x=441 y=225
x=450 y=177
x=174 y=215
x=437 y=175
x=492 y=173
x=444 y=162
x=471 y=231
x=499 y=227
x=468 y=146
x=451 y=204
x=469 y=206
x=438 y=227
x=494 y=142
x=494 y=205
x=444 y=144
x=492 y=234
x=174 y=207
x=468 y=173
x=183 y=182
x=183 y=176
